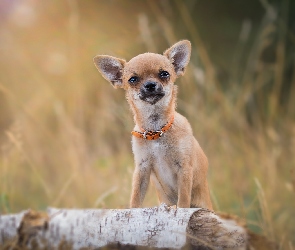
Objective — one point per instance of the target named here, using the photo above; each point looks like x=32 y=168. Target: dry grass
x=65 y=133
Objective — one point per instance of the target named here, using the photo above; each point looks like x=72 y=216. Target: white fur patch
x=147 y=109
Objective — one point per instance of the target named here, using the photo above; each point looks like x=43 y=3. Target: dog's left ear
x=111 y=69
x=179 y=54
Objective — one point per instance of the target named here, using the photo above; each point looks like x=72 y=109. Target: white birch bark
x=159 y=227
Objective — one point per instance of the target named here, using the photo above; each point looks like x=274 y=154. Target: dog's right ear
x=179 y=54
x=111 y=69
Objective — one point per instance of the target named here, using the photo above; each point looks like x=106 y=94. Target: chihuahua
x=163 y=144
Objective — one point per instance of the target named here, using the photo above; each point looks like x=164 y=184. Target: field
x=65 y=132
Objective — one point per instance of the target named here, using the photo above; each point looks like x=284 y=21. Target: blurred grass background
x=65 y=132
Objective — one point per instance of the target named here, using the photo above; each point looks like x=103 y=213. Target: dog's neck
x=154 y=117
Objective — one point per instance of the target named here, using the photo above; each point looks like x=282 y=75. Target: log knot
x=32 y=223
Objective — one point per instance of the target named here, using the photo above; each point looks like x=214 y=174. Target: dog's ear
x=111 y=69
x=179 y=54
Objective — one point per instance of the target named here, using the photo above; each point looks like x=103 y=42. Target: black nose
x=150 y=86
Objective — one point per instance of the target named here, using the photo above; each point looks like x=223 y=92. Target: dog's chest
x=161 y=157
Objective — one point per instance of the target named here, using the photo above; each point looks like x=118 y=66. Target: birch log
x=158 y=227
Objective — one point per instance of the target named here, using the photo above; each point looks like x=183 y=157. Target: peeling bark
x=158 y=227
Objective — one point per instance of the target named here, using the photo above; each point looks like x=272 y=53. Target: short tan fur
x=175 y=163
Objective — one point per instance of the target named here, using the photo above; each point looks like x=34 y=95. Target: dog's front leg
x=185 y=181
x=140 y=183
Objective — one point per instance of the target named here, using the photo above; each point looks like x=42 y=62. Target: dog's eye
x=164 y=74
x=133 y=79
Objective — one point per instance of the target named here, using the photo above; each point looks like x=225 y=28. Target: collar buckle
x=160 y=132
x=144 y=134
x=153 y=135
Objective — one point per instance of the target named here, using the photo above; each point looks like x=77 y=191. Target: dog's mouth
x=151 y=98
x=151 y=92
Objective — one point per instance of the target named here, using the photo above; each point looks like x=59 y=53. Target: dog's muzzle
x=151 y=92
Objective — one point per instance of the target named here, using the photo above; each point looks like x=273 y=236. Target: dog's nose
x=150 y=86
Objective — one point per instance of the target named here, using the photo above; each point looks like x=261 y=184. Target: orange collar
x=153 y=135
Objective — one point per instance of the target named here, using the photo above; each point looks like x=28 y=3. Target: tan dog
x=163 y=144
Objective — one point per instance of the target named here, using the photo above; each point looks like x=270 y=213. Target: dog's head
x=147 y=77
